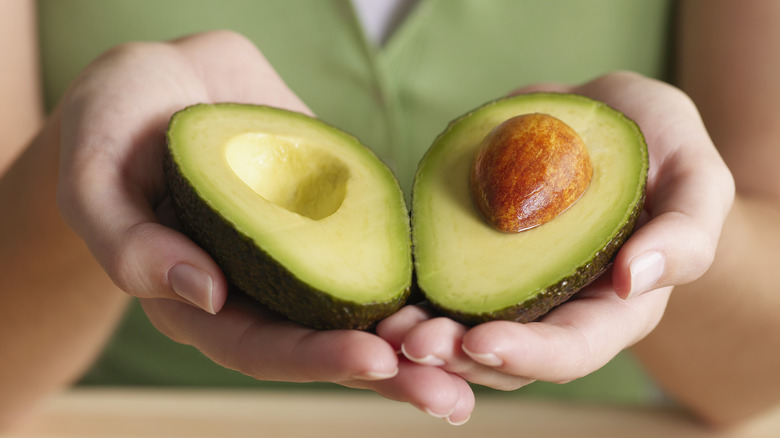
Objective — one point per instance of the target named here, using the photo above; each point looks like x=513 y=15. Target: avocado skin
x=251 y=270
x=545 y=300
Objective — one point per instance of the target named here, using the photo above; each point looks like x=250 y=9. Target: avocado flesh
x=298 y=214
x=474 y=273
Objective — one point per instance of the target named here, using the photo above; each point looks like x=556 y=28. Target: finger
x=546 y=87
x=394 y=328
x=246 y=337
x=461 y=414
x=689 y=188
x=572 y=341
x=221 y=54
x=111 y=178
x=439 y=342
x=430 y=389
x=143 y=257
x=436 y=342
x=687 y=203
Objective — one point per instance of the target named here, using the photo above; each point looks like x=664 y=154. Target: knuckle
x=229 y=37
x=159 y=314
x=129 y=50
x=701 y=252
x=119 y=266
x=234 y=41
x=576 y=354
x=124 y=264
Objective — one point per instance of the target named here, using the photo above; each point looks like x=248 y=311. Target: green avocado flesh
x=298 y=214
x=473 y=273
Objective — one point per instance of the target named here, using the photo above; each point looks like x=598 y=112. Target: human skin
x=97 y=159
x=720 y=335
x=120 y=237
x=689 y=193
x=715 y=348
x=58 y=308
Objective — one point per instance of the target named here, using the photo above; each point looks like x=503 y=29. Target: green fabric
x=448 y=57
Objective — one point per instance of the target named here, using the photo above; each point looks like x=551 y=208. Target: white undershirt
x=380 y=18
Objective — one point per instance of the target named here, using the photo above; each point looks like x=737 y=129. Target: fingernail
x=646 y=270
x=377 y=375
x=458 y=423
x=434 y=414
x=430 y=360
x=192 y=284
x=489 y=359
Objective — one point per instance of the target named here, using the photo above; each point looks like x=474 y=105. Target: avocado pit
x=527 y=171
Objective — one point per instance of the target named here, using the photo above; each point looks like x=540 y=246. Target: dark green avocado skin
x=544 y=301
x=249 y=269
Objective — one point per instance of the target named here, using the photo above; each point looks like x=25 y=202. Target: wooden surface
x=121 y=413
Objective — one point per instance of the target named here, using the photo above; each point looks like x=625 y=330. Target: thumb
x=143 y=257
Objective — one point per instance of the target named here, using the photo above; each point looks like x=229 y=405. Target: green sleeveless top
x=447 y=57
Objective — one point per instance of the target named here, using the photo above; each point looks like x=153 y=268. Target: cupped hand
x=112 y=192
x=689 y=193
x=111 y=188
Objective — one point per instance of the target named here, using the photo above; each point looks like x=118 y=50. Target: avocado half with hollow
x=472 y=271
x=298 y=214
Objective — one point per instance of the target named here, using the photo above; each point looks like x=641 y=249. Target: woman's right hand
x=112 y=192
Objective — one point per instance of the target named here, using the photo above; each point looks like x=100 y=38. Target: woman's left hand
x=689 y=193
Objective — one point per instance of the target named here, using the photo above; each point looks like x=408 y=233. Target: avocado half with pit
x=298 y=214
x=471 y=269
